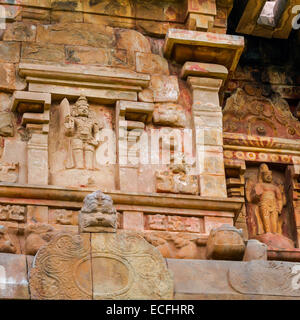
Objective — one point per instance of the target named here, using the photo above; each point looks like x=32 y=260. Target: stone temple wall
x=168 y=107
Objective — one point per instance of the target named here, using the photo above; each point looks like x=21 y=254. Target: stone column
x=207 y=118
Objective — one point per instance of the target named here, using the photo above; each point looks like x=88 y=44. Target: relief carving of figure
x=82 y=126
x=269 y=200
x=5 y=243
x=98 y=213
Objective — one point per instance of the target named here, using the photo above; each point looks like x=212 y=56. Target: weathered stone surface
x=132 y=40
x=9 y=80
x=67 y=5
x=66 y=17
x=165 y=88
x=247 y=280
x=6 y=124
x=151 y=63
x=87 y=55
x=169 y=114
x=9 y=51
x=35 y=14
x=62 y=269
x=6 y=244
x=32 y=52
x=142 y=272
x=123 y=8
x=9 y=172
x=98 y=214
x=225 y=243
x=133 y=220
x=37 y=235
x=274 y=241
x=13 y=276
x=37 y=214
x=20 y=31
x=255 y=250
x=79 y=34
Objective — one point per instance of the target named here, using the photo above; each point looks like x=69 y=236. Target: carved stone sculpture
x=176 y=179
x=169 y=114
x=6 y=124
x=98 y=214
x=265 y=201
x=12 y=213
x=269 y=200
x=225 y=243
x=37 y=235
x=5 y=243
x=110 y=266
x=82 y=126
x=9 y=172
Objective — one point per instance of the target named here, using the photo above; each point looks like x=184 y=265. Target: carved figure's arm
x=279 y=199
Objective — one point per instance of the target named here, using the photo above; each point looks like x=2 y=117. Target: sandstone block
x=133 y=41
x=32 y=52
x=9 y=51
x=151 y=63
x=67 y=5
x=133 y=220
x=255 y=250
x=9 y=80
x=122 y=8
x=215 y=222
x=87 y=55
x=66 y=17
x=13 y=276
x=20 y=31
x=212 y=186
x=77 y=34
x=165 y=88
x=37 y=214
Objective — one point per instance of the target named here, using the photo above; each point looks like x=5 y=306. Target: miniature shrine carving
x=82 y=126
x=9 y=172
x=98 y=214
x=13 y=213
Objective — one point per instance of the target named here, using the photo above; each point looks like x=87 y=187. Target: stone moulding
x=225 y=49
x=73 y=198
x=102 y=84
x=235 y=139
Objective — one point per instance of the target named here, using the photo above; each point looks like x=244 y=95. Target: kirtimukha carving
x=9 y=172
x=176 y=179
x=82 y=126
x=98 y=214
x=6 y=124
x=169 y=114
x=5 y=243
x=37 y=235
x=269 y=200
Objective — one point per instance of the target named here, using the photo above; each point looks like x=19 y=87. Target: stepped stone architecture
x=149 y=149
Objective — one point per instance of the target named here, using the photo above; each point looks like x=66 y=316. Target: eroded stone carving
x=176 y=179
x=37 y=235
x=5 y=243
x=225 y=243
x=174 y=245
x=169 y=114
x=9 y=172
x=259 y=116
x=63 y=217
x=120 y=265
x=6 y=124
x=82 y=126
x=98 y=214
x=12 y=213
x=62 y=269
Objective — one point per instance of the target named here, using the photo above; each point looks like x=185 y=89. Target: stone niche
x=269 y=217
x=79 y=154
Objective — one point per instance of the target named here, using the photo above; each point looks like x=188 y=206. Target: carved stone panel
x=62 y=270
x=6 y=124
x=125 y=266
x=9 y=172
x=121 y=266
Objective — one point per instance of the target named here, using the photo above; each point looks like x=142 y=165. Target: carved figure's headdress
x=263 y=168
x=81 y=101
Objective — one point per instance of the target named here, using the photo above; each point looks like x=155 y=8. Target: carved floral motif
x=259 y=116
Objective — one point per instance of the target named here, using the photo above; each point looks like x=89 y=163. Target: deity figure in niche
x=269 y=199
x=82 y=126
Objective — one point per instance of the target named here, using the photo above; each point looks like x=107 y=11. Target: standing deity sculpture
x=269 y=200
x=82 y=126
